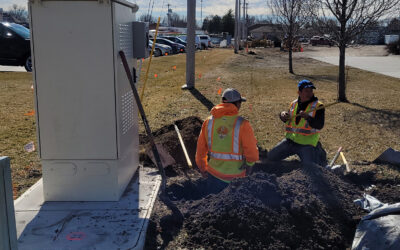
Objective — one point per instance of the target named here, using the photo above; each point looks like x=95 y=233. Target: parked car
x=176 y=47
x=175 y=40
x=303 y=39
x=216 y=41
x=205 y=41
x=197 y=40
x=317 y=40
x=160 y=49
x=15 y=48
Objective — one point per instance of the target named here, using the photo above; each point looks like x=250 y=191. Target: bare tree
x=147 y=18
x=344 y=20
x=178 y=21
x=19 y=13
x=292 y=15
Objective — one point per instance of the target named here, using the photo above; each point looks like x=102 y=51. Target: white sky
x=210 y=7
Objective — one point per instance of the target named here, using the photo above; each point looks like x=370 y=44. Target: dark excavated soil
x=280 y=206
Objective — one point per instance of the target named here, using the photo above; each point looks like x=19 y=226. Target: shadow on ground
x=199 y=96
x=386 y=118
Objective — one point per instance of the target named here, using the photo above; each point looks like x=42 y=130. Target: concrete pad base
x=87 y=225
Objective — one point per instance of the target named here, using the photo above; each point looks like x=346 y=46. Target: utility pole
x=169 y=15
x=247 y=13
x=244 y=36
x=236 y=27
x=239 y=23
x=190 y=47
x=201 y=12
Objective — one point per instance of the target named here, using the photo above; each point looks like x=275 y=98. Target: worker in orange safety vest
x=226 y=147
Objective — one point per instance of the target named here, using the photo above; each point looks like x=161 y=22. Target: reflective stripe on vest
x=227 y=157
x=313 y=106
x=236 y=148
x=209 y=131
x=302 y=131
x=239 y=121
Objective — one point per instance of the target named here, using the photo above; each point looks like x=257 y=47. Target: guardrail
x=8 y=232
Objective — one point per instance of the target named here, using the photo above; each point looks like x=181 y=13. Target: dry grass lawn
x=365 y=127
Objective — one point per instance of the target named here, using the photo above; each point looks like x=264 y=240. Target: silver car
x=160 y=49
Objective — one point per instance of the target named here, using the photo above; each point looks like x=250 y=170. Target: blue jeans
x=308 y=154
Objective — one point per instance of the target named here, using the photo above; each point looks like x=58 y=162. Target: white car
x=205 y=41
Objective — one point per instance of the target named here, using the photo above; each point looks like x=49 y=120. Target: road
x=370 y=58
x=12 y=69
x=388 y=65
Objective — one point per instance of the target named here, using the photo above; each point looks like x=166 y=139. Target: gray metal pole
x=201 y=12
x=190 y=47
x=239 y=23
x=8 y=232
x=243 y=21
x=236 y=28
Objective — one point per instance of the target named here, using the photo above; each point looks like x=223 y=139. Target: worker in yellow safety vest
x=226 y=147
x=303 y=130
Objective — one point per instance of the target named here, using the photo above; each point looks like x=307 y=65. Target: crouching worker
x=302 y=132
x=226 y=147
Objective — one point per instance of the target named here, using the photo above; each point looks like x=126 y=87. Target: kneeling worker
x=226 y=147
x=302 y=132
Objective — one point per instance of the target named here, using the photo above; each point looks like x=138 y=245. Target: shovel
x=163 y=195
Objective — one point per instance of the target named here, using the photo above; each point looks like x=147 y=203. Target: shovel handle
x=183 y=146
x=145 y=122
x=335 y=157
x=318 y=108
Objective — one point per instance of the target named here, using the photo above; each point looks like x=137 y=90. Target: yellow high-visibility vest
x=225 y=152
x=302 y=133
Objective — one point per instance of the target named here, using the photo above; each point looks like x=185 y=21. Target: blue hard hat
x=305 y=84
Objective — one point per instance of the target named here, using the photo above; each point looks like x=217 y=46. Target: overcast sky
x=210 y=7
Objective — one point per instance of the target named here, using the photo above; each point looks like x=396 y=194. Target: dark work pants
x=215 y=185
x=307 y=153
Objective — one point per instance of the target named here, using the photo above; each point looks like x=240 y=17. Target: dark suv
x=317 y=40
x=15 y=48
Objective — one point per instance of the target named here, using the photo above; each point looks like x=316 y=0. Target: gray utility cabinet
x=87 y=120
x=8 y=233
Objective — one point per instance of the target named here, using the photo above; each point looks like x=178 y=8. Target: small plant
x=394 y=48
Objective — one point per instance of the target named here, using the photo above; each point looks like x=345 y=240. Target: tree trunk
x=342 y=74
x=291 y=60
x=290 y=47
x=342 y=51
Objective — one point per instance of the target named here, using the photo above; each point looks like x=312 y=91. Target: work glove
x=304 y=115
x=285 y=116
x=249 y=169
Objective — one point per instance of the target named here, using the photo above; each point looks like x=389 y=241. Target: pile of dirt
x=300 y=209
x=280 y=206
